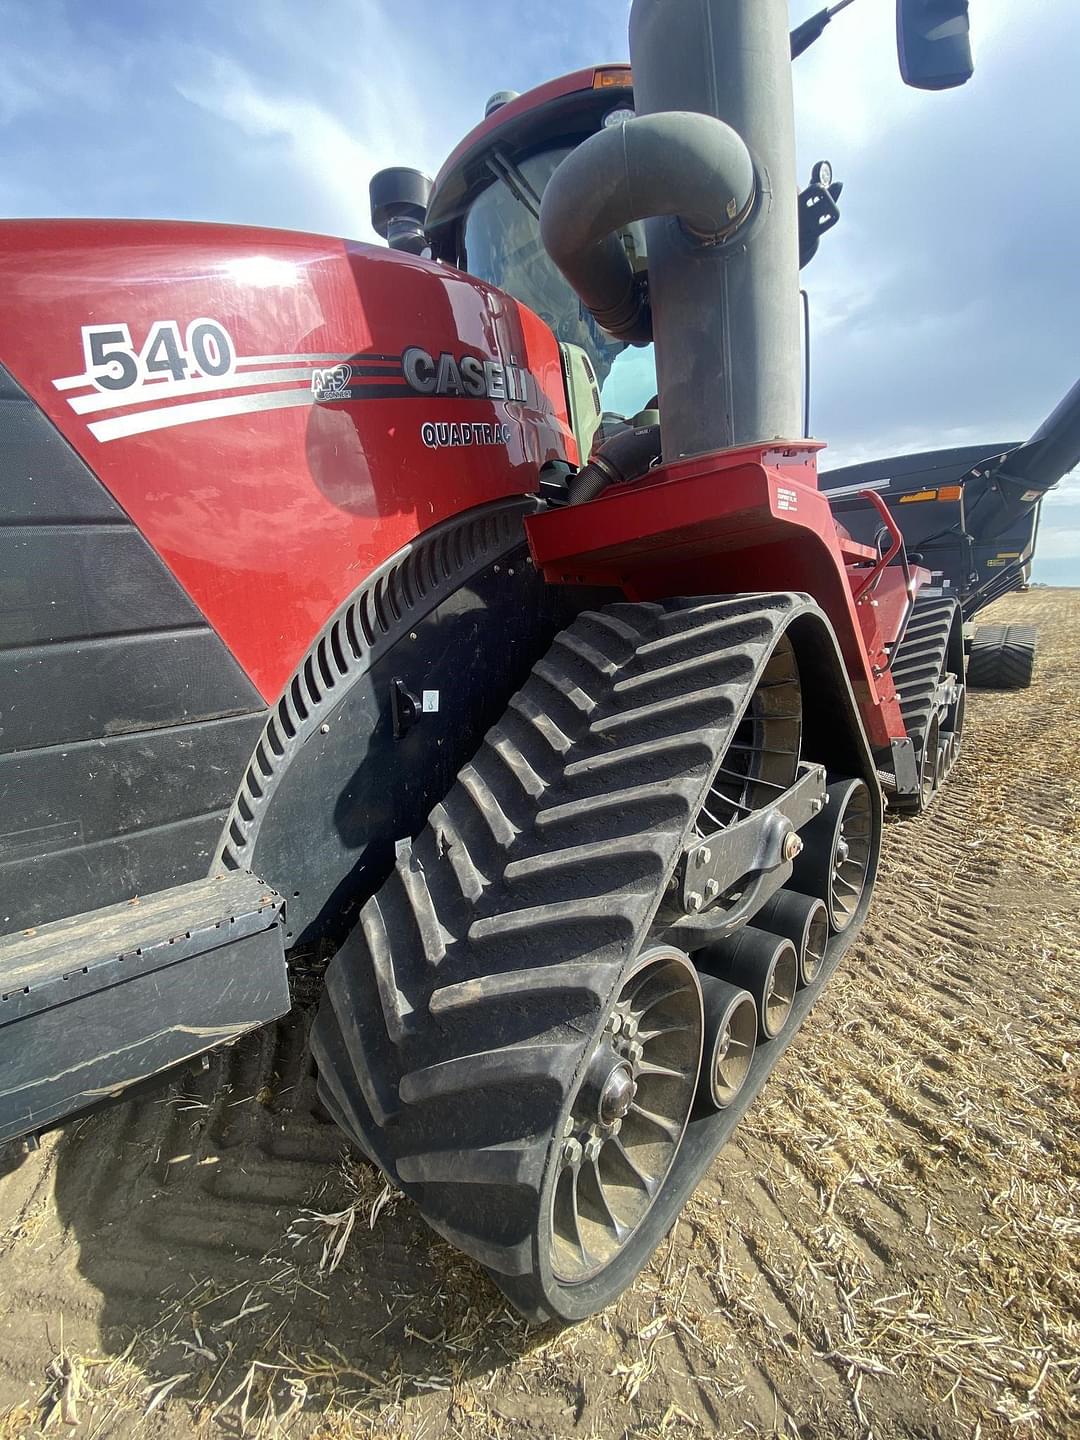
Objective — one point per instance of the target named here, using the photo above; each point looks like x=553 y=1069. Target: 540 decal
x=113 y=363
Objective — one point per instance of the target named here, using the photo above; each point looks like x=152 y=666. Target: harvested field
x=890 y=1246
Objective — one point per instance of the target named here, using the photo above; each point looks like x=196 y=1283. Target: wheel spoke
x=646 y=1182
x=646 y=1067
x=643 y=1009
x=663 y=1125
x=752 y=780
x=656 y=1031
x=621 y=1230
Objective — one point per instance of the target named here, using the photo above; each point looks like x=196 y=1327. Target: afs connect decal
x=184 y=366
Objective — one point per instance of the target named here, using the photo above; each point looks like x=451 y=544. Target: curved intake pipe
x=674 y=163
x=624 y=457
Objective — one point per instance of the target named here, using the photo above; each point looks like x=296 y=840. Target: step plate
x=96 y=1002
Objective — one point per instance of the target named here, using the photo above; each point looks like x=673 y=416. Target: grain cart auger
x=392 y=606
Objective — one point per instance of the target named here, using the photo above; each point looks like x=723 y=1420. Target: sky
x=945 y=305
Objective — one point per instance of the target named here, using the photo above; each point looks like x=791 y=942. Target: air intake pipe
x=626 y=456
x=690 y=166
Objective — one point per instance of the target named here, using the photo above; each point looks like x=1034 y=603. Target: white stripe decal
x=76 y=382
x=168 y=389
x=842 y=490
x=195 y=410
x=287 y=359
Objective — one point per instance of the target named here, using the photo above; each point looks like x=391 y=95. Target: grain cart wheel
x=512 y=987
x=838 y=843
x=1002 y=657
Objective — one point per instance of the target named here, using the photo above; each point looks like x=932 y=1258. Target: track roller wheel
x=731 y=1025
x=627 y=1119
x=764 y=964
x=930 y=769
x=954 y=730
x=928 y=673
x=838 y=845
x=802 y=919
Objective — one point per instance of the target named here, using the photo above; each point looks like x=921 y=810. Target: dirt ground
x=889 y=1247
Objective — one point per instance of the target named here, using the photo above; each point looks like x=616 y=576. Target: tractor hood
x=278 y=413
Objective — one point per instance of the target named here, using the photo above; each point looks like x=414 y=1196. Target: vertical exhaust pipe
x=725 y=317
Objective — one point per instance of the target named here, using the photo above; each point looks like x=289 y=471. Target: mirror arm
x=804 y=35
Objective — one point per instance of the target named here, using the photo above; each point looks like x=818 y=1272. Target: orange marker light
x=614 y=77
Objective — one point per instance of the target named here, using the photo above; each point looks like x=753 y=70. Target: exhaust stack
x=709 y=165
x=726 y=316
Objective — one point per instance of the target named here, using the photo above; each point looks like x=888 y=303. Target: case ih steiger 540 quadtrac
x=353 y=609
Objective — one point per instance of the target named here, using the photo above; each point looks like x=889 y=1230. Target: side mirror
x=933 y=43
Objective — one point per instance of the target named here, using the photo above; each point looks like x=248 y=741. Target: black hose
x=626 y=456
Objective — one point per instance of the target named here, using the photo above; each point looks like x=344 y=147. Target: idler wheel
x=837 y=849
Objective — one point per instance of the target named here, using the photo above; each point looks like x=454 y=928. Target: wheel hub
x=611 y=1081
x=627 y=1120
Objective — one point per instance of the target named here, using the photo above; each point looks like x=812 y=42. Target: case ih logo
x=469 y=377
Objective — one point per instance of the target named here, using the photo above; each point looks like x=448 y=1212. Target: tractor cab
x=483 y=216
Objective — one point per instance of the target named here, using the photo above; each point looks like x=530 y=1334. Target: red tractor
x=402 y=609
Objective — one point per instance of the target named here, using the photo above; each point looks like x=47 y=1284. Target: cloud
x=306 y=140
x=1057 y=543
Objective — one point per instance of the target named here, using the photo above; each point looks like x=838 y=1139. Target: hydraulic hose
x=624 y=457
x=674 y=163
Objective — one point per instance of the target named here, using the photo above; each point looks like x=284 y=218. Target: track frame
x=417 y=1016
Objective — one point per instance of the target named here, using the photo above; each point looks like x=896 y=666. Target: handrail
x=872 y=579
x=890 y=554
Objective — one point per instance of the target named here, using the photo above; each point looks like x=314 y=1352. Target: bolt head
x=793 y=845
x=630 y=1027
x=635 y=1050
x=704 y=855
x=593 y=1146
x=693 y=902
x=571 y=1151
x=712 y=889
x=615 y=1023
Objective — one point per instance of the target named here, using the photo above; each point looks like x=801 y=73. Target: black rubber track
x=1002 y=657
x=459 y=1011
x=917 y=669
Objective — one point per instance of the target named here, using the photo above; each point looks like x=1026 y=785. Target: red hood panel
x=242 y=394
